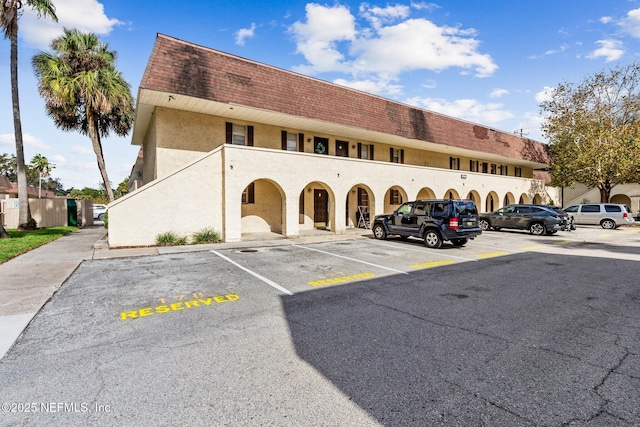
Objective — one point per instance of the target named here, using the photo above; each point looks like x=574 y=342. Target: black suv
x=538 y=219
x=434 y=221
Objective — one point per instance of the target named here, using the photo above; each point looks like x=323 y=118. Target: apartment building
x=243 y=147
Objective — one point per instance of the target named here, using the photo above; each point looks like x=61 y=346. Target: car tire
x=537 y=229
x=432 y=239
x=379 y=232
x=484 y=224
x=101 y=217
x=460 y=242
x=608 y=224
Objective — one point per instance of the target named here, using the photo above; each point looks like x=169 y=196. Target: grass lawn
x=24 y=241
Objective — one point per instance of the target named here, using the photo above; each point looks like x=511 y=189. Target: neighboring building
x=243 y=147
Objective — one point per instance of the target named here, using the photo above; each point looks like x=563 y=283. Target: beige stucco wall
x=184 y=202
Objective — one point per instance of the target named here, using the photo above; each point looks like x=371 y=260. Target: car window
x=590 y=208
x=405 y=209
x=524 y=209
x=537 y=210
x=572 y=209
x=613 y=208
x=440 y=209
x=627 y=208
x=420 y=208
x=466 y=208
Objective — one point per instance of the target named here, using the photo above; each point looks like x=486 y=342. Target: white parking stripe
x=351 y=259
x=253 y=273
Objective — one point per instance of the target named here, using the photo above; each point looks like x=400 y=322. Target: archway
x=524 y=199
x=491 y=202
x=621 y=199
x=394 y=197
x=474 y=196
x=263 y=207
x=537 y=199
x=317 y=207
x=425 y=193
x=509 y=199
x=451 y=194
x=360 y=206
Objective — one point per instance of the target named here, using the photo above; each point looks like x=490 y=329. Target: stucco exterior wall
x=184 y=202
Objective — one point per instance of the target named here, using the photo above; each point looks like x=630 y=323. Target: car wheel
x=460 y=242
x=101 y=217
x=607 y=224
x=484 y=224
x=537 y=229
x=379 y=232
x=432 y=239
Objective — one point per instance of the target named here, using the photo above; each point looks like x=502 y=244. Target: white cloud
x=610 y=50
x=245 y=33
x=606 y=19
x=631 y=23
x=545 y=94
x=467 y=109
x=28 y=140
x=331 y=42
x=82 y=150
x=497 y=93
x=84 y=15
x=58 y=158
x=430 y=7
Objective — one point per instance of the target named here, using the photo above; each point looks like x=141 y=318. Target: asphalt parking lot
x=510 y=330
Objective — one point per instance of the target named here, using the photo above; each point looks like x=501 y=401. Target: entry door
x=320 y=145
x=320 y=206
x=342 y=148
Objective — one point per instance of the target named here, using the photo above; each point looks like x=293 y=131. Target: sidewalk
x=28 y=281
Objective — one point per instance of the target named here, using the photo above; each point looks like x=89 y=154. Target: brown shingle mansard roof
x=179 y=67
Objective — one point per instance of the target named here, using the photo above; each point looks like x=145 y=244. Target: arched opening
x=451 y=194
x=509 y=199
x=537 y=199
x=360 y=206
x=491 y=202
x=524 y=199
x=394 y=197
x=621 y=199
x=426 y=193
x=316 y=207
x=474 y=197
x=263 y=207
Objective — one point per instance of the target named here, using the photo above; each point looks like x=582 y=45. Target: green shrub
x=106 y=219
x=206 y=235
x=170 y=239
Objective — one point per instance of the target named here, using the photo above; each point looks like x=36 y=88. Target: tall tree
x=83 y=91
x=10 y=12
x=41 y=164
x=594 y=130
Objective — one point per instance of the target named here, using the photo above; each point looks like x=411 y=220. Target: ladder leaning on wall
x=363 y=217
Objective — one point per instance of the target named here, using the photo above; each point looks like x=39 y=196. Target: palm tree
x=10 y=12
x=42 y=165
x=83 y=91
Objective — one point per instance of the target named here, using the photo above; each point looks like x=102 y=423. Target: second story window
x=396 y=155
x=239 y=134
x=292 y=141
x=454 y=163
x=517 y=171
x=474 y=165
x=365 y=151
x=485 y=167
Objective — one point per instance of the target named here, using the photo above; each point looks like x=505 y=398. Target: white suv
x=607 y=215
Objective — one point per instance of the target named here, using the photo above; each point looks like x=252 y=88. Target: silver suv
x=607 y=215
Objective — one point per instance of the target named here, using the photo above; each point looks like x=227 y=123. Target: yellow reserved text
x=178 y=306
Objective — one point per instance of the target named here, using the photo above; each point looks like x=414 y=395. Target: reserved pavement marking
x=431 y=264
x=533 y=248
x=342 y=279
x=254 y=274
x=177 y=306
x=492 y=254
x=351 y=259
x=563 y=242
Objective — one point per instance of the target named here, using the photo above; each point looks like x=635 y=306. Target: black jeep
x=434 y=221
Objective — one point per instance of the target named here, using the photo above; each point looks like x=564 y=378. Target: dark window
x=397 y=155
x=572 y=209
x=485 y=167
x=493 y=169
x=612 y=208
x=466 y=208
x=517 y=171
x=365 y=151
x=454 y=163
x=342 y=148
x=590 y=209
x=394 y=197
x=474 y=165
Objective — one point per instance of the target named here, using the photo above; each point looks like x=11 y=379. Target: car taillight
x=453 y=223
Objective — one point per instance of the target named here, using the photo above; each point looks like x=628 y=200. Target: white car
x=607 y=215
x=99 y=211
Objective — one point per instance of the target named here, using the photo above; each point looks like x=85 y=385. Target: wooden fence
x=47 y=212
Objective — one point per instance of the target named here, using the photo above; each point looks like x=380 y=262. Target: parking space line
x=425 y=250
x=492 y=254
x=351 y=259
x=254 y=274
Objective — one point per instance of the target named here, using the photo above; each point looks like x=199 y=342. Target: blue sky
x=488 y=62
